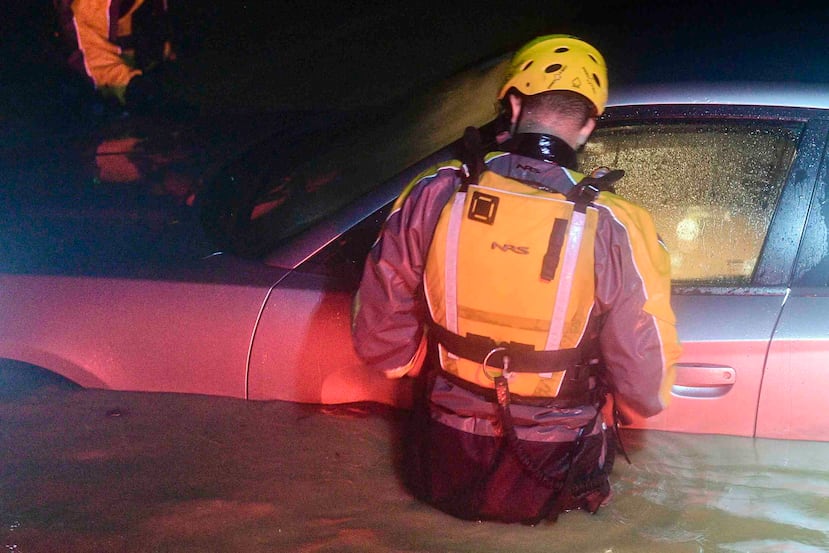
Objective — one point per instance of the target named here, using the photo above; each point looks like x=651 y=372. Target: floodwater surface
x=104 y=471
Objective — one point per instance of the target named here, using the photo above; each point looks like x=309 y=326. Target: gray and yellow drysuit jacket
x=104 y=40
x=513 y=261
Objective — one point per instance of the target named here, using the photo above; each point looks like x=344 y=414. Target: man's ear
x=586 y=131
x=515 y=104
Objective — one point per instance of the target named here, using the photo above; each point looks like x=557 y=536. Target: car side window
x=711 y=188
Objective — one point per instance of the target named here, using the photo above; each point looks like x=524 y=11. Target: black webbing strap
x=617 y=418
x=522 y=357
x=582 y=195
x=588 y=188
x=472 y=156
x=554 y=245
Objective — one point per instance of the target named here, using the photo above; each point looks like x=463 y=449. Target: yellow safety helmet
x=558 y=62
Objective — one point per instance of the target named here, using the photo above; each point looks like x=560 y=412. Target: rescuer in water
x=119 y=45
x=537 y=292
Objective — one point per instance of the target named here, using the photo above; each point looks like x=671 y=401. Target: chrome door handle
x=701 y=380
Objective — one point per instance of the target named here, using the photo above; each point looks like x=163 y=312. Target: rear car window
x=711 y=188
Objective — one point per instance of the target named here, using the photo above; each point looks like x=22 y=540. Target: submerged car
x=247 y=292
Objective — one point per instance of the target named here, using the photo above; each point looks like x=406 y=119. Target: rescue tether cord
x=560 y=488
x=508 y=427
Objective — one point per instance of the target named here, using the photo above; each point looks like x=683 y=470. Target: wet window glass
x=712 y=189
x=813 y=259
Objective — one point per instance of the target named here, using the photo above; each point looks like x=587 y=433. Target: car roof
x=738 y=93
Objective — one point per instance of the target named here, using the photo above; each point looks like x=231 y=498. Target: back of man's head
x=555 y=110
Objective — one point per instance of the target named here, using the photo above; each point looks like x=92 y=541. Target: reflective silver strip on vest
x=450 y=277
x=565 y=287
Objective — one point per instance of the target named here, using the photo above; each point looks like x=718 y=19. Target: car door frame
x=795 y=378
x=712 y=395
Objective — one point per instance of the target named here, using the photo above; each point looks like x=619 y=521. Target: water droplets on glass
x=711 y=189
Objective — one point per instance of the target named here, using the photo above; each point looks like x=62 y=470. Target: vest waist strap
x=522 y=357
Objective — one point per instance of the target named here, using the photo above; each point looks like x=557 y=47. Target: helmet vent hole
x=553 y=68
x=562 y=49
x=592 y=58
x=596 y=78
x=527 y=65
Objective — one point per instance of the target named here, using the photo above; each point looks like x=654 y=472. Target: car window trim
x=776 y=263
x=820 y=194
x=687 y=289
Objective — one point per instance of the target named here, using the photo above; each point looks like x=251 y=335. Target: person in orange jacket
x=116 y=44
x=534 y=292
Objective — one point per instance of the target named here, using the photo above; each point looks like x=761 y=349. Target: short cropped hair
x=557 y=104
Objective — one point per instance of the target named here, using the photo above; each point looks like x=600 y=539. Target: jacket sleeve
x=638 y=338
x=389 y=309
x=101 y=56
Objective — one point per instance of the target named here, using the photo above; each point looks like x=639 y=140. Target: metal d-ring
x=485 y=363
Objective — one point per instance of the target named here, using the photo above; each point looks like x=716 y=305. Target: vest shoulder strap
x=588 y=189
x=472 y=156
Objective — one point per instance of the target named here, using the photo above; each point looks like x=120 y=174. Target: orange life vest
x=511 y=266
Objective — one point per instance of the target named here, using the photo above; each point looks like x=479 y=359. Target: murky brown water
x=101 y=471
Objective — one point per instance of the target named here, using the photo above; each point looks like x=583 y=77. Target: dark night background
x=262 y=56
x=246 y=68
x=252 y=69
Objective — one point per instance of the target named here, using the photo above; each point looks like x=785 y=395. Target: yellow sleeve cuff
x=414 y=365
